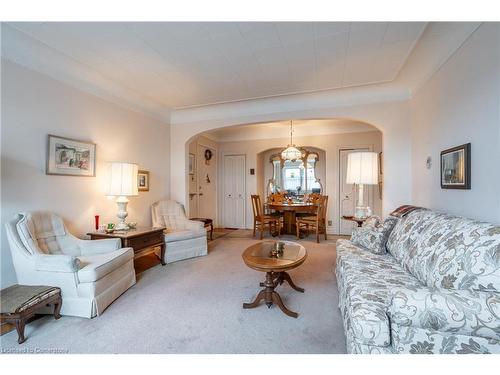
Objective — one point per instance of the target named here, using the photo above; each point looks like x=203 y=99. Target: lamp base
x=122 y=213
x=362 y=212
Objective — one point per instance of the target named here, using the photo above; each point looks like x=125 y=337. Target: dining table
x=290 y=211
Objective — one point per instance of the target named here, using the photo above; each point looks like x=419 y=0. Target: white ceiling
x=281 y=129
x=176 y=65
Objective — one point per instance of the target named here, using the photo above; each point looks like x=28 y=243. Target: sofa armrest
x=57 y=263
x=194 y=225
x=466 y=312
x=88 y=247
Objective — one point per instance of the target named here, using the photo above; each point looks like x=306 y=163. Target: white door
x=234 y=191
x=348 y=193
x=207 y=183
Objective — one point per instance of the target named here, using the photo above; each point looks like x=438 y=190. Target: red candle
x=96 y=222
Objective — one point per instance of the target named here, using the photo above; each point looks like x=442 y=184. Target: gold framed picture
x=143 y=180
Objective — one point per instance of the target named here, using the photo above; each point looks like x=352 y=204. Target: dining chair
x=315 y=220
x=263 y=220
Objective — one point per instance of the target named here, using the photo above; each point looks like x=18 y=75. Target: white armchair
x=91 y=274
x=184 y=238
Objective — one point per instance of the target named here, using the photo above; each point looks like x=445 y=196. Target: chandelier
x=291 y=152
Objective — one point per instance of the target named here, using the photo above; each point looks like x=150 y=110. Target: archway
x=390 y=117
x=329 y=144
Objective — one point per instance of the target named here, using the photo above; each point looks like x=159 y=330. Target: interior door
x=348 y=193
x=207 y=183
x=234 y=191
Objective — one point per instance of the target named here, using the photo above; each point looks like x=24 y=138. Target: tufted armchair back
x=43 y=232
x=171 y=214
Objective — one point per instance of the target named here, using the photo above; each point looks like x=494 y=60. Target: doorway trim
x=222 y=176
x=198 y=161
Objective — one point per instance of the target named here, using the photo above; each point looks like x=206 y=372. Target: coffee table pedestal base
x=270 y=296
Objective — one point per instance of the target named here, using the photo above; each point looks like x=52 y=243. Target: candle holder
x=277 y=249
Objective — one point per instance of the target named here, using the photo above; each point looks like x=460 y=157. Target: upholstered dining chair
x=91 y=274
x=262 y=220
x=316 y=220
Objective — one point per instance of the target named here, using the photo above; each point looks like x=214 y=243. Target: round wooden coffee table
x=259 y=258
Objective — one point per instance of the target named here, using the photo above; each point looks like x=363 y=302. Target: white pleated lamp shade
x=362 y=168
x=122 y=179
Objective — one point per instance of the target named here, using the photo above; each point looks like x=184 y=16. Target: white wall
x=331 y=144
x=34 y=105
x=391 y=118
x=460 y=104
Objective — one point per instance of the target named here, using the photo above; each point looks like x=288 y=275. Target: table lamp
x=362 y=169
x=122 y=183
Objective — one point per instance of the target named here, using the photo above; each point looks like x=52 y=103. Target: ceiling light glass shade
x=291 y=153
x=122 y=179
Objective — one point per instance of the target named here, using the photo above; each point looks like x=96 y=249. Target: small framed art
x=70 y=157
x=143 y=180
x=456 y=167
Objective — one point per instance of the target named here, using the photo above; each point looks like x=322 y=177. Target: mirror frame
x=305 y=157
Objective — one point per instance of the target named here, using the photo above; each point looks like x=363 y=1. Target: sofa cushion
x=181 y=235
x=445 y=251
x=39 y=231
x=373 y=235
x=95 y=267
x=365 y=283
x=406 y=232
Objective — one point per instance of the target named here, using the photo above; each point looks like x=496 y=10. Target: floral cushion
x=373 y=235
x=449 y=252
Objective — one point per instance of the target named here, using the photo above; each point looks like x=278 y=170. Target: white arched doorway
x=390 y=118
x=343 y=134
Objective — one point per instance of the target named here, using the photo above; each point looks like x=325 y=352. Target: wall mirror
x=295 y=177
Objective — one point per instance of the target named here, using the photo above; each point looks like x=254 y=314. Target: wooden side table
x=140 y=239
x=355 y=219
x=21 y=302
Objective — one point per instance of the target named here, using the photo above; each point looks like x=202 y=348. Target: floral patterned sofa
x=436 y=290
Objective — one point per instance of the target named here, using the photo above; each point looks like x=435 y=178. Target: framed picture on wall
x=70 y=157
x=143 y=180
x=456 y=167
x=191 y=164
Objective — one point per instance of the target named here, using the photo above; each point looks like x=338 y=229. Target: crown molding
x=438 y=42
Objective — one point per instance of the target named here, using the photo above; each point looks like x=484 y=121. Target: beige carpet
x=194 y=306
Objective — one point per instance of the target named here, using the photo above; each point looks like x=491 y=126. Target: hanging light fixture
x=291 y=152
